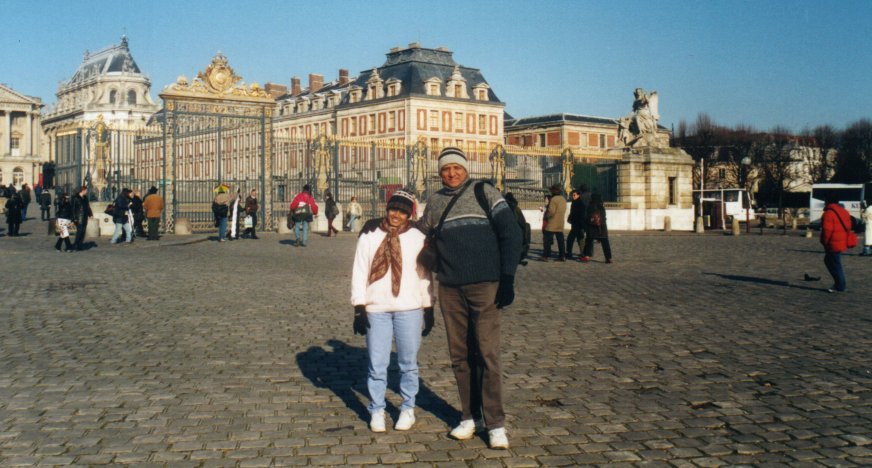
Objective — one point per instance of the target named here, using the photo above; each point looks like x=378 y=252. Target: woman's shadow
x=343 y=368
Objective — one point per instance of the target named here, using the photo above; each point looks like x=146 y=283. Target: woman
x=596 y=229
x=355 y=211
x=14 y=208
x=251 y=208
x=63 y=222
x=331 y=211
x=835 y=230
x=867 y=235
x=121 y=217
x=392 y=296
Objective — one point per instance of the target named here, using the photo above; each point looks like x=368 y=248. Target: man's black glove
x=505 y=292
x=428 y=321
x=361 y=321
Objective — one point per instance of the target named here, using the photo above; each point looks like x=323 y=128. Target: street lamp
x=746 y=166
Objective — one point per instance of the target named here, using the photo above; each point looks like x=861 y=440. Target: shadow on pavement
x=343 y=370
x=754 y=279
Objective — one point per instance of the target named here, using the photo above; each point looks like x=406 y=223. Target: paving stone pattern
x=688 y=351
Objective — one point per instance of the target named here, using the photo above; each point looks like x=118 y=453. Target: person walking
x=81 y=214
x=479 y=244
x=354 y=212
x=836 y=224
x=867 y=235
x=251 y=208
x=392 y=298
x=63 y=222
x=331 y=211
x=153 y=206
x=597 y=229
x=554 y=214
x=45 y=205
x=26 y=198
x=304 y=210
x=121 y=217
x=14 y=215
x=577 y=219
x=221 y=209
x=138 y=213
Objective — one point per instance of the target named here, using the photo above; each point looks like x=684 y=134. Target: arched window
x=17 y=176
x=112 y=96
x=131 y=97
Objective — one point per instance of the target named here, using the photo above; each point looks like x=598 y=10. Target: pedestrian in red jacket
x=835 y=225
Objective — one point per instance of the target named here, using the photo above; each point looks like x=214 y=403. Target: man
x=554 y=224
x=45 y=204
x=221 y=208
x=835 y=228
x=251 y=208
x=137 y=211
x=25 y=200
x=81 y=214
x=478 y=256
x=577 y=221
x=121 y=218
x=153 y=205
x=303 y=209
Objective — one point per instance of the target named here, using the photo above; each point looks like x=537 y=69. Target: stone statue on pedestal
x=640 y=127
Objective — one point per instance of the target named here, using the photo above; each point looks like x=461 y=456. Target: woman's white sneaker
x=377 y=422
x=497 y=438
x=406 y=421
x=466 y=429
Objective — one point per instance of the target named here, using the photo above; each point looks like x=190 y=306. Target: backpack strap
x=448 y=208
x=840 y=220
x=482 y=202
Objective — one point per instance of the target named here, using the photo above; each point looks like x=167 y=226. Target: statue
x=567 y=169
x=419 y=167
x=322 y=164
x=640 y=127
x=498 y=167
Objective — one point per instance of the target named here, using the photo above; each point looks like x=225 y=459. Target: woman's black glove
x=428 y=321
x=361 y=322
x=505 y=292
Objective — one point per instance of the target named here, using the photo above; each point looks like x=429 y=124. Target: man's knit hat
x=452 y=155
x=403 y=201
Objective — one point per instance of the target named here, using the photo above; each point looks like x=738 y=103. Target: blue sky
x=763 y=63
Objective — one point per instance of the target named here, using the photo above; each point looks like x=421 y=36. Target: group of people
x=470 y=238
x=587 y=221
x=227 y=207
x=15 y=207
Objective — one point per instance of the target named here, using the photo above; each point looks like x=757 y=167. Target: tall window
x=17 y=176
x=113 y=95
x=15 y=143
x=131 y=97
x=458 y=122
x=458 y=90
x=434 y=120
x=482 y=123
x=602 y=141
x=542 y=140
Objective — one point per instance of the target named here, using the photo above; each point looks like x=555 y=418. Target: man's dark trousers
x=80 y=233
x=152 y=228
x=472 y=324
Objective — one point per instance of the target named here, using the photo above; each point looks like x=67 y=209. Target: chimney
x=316 y=82
x=343 y=76
x=295 y=86
x=275 y=90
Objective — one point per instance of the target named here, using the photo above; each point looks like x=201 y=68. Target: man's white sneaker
x=466 y=429
x=407 y=419
x=497 y=438
x=377 y=422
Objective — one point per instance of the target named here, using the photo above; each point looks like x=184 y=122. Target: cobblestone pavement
x=688 y=351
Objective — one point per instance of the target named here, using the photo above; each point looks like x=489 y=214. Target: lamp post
x=746 y=166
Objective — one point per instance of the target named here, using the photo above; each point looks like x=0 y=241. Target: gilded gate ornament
x=419 y=167
x=322 y=164
x=218 y=79
x=498 y=167
x=568 y=169
x=100 y=157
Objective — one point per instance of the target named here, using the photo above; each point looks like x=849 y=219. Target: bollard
x=793 y=224
x=667 y=223
x=736 y=229
x=808 y=234
x=700 y=227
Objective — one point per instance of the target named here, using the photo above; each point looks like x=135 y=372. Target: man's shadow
x=343 y=369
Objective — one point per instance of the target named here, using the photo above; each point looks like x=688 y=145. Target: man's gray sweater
x=470 y=249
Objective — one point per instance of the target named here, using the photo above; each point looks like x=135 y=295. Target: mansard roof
x=415 y=65
x=115 y=58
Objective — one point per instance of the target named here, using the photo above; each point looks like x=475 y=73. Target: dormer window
x=374 y=86
x=456 y=86
x=394 y=85
x=433 y=87
x=354 y=94
x=480 y=91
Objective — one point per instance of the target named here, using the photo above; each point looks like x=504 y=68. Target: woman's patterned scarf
x=390 y=255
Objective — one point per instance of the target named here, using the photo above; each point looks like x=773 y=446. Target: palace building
x=21 y=138
x=417 y=93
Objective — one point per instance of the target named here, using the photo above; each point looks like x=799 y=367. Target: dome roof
x=115 y=58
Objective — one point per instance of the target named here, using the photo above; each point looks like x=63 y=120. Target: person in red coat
x=303 y=211
x=835 y=225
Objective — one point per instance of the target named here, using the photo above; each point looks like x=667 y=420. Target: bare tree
x=854 y=160
x=821 y=164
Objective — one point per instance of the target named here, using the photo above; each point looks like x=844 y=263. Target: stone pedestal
x=655 y=183
x=104 y=221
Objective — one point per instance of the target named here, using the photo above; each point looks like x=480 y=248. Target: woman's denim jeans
x=304 y=226
x=222 y=228
x=119 y=227
x=405 y=327
x=833 y=261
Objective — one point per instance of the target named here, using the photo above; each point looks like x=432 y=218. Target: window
x=602 y=141
x=112 y=96
x=15 y=143
x=458 y=122
x=433 y=89
x=482 y=123
x=673 y=190
x=392 y=121
x=542 y=140
x=17 y=176
x=434 y=120
x=458 y=90
x=371 y=125
x=482 y=95
x=131 y=97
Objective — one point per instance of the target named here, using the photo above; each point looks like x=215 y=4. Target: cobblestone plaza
x=688 y=351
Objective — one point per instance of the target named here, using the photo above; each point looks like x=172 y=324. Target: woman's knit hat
x=452 y=155
x=402 y=201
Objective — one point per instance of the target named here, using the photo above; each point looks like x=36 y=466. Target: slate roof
x=557 y=118
x=115 y=58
